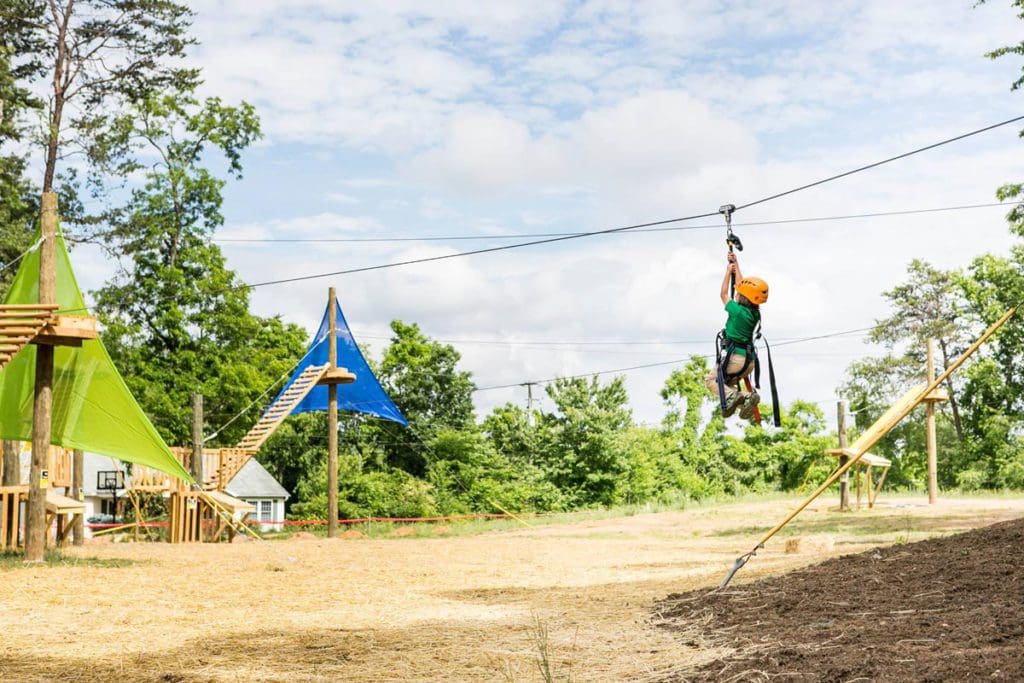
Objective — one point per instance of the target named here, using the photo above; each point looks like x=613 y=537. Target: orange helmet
x=754 y=288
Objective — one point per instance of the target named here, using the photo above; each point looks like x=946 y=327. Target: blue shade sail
x=365 y=395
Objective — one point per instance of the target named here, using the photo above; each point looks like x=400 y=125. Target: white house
x=256 y=486
x=253 y=484
x=99 y=503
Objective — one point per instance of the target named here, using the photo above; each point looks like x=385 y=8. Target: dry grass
x=424 y=609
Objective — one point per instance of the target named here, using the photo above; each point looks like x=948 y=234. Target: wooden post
x=196 y=466
x=42 y=409
x=12 y=464
x=77 y=481
x=933 y=473
x=844 y=481
x=332 y=417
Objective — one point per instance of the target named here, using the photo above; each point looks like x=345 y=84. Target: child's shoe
x=732 y=403
x=750 y=403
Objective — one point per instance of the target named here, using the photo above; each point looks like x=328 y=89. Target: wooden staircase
x=20 y=324
x=282 y=407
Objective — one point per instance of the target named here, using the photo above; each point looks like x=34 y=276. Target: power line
x=525 y=235
x=549 y=343
x=658 y=364
x=550 y=240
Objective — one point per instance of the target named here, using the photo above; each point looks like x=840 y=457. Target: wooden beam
x=332 y=416
x=844 y=481
x=933 y=467
x=196 y=465
x=77 y=480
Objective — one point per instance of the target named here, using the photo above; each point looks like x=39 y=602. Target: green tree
x=422 y=377
x=696 y=428
x=580 y=451
x=178 y=320
x=101 y=56
x=508 y=428
x=18 y=205
x=469 y=475
x=1013 y=190
x=783 y=458
x=929 y=305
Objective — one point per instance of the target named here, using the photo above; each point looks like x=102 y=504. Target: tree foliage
x=177 y=320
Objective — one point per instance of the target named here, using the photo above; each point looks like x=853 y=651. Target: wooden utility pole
x=933 y=474
x=42 y=409
x=332 y=417
x=196 y=466
x=77 y=481
x=844 y=480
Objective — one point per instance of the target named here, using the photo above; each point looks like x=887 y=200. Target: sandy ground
x=484 y=607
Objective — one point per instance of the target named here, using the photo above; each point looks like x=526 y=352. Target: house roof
x=253 y=481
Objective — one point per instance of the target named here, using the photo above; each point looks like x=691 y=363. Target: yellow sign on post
x=44 y=479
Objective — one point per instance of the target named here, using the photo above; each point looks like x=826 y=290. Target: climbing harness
x=725 y=348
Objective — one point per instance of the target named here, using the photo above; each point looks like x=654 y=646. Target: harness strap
x=776 y=410
x=724 y=355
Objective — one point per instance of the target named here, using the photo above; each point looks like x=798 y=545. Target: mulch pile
x=944 y=609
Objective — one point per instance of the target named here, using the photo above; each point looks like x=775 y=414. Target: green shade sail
x=93 y=410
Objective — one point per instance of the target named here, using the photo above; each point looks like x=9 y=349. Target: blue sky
x=468 y=118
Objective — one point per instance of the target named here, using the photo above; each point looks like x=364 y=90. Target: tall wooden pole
x=844 y=481
x=332 y=418
x=77 y=481
x=196 y=466
x=42 y=410
x=933 y=470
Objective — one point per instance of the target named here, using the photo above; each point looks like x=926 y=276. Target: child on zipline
x=737 y=356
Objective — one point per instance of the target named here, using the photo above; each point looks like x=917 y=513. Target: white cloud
x=486 y=117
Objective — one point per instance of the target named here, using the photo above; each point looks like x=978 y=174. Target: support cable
x=551 y=240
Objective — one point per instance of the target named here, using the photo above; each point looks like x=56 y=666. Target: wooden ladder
x=19 y=325
x=282 y=407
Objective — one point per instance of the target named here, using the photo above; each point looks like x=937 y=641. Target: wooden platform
x=863 y=467
x=20 y=324
x=337 y=376
x=233 y=505
x=67 y=330
x=59 y=509
x=206 y=516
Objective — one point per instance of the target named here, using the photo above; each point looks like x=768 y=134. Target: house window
x=266 y=511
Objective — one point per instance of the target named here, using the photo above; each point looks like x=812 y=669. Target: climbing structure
x=59 y=508
x=92 y=408
x=282 y=407
x=20 y=324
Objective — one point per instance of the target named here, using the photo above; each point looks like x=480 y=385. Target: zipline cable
x=551 y=240
x=526 y=235
x=876 y=164
x=488 y=250
x=657 y=364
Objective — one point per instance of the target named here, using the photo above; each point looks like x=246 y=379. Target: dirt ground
x=491 y=607
x=939 y=610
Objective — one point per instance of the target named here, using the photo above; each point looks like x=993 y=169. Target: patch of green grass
x=15 y=559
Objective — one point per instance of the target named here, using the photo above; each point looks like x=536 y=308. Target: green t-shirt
x=740 y=325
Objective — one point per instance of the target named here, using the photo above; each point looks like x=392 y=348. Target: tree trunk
x=952 y=395
x=42 y=408
x=60 y=86
x=12 y=464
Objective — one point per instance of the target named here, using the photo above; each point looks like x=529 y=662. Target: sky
x=471 y=118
